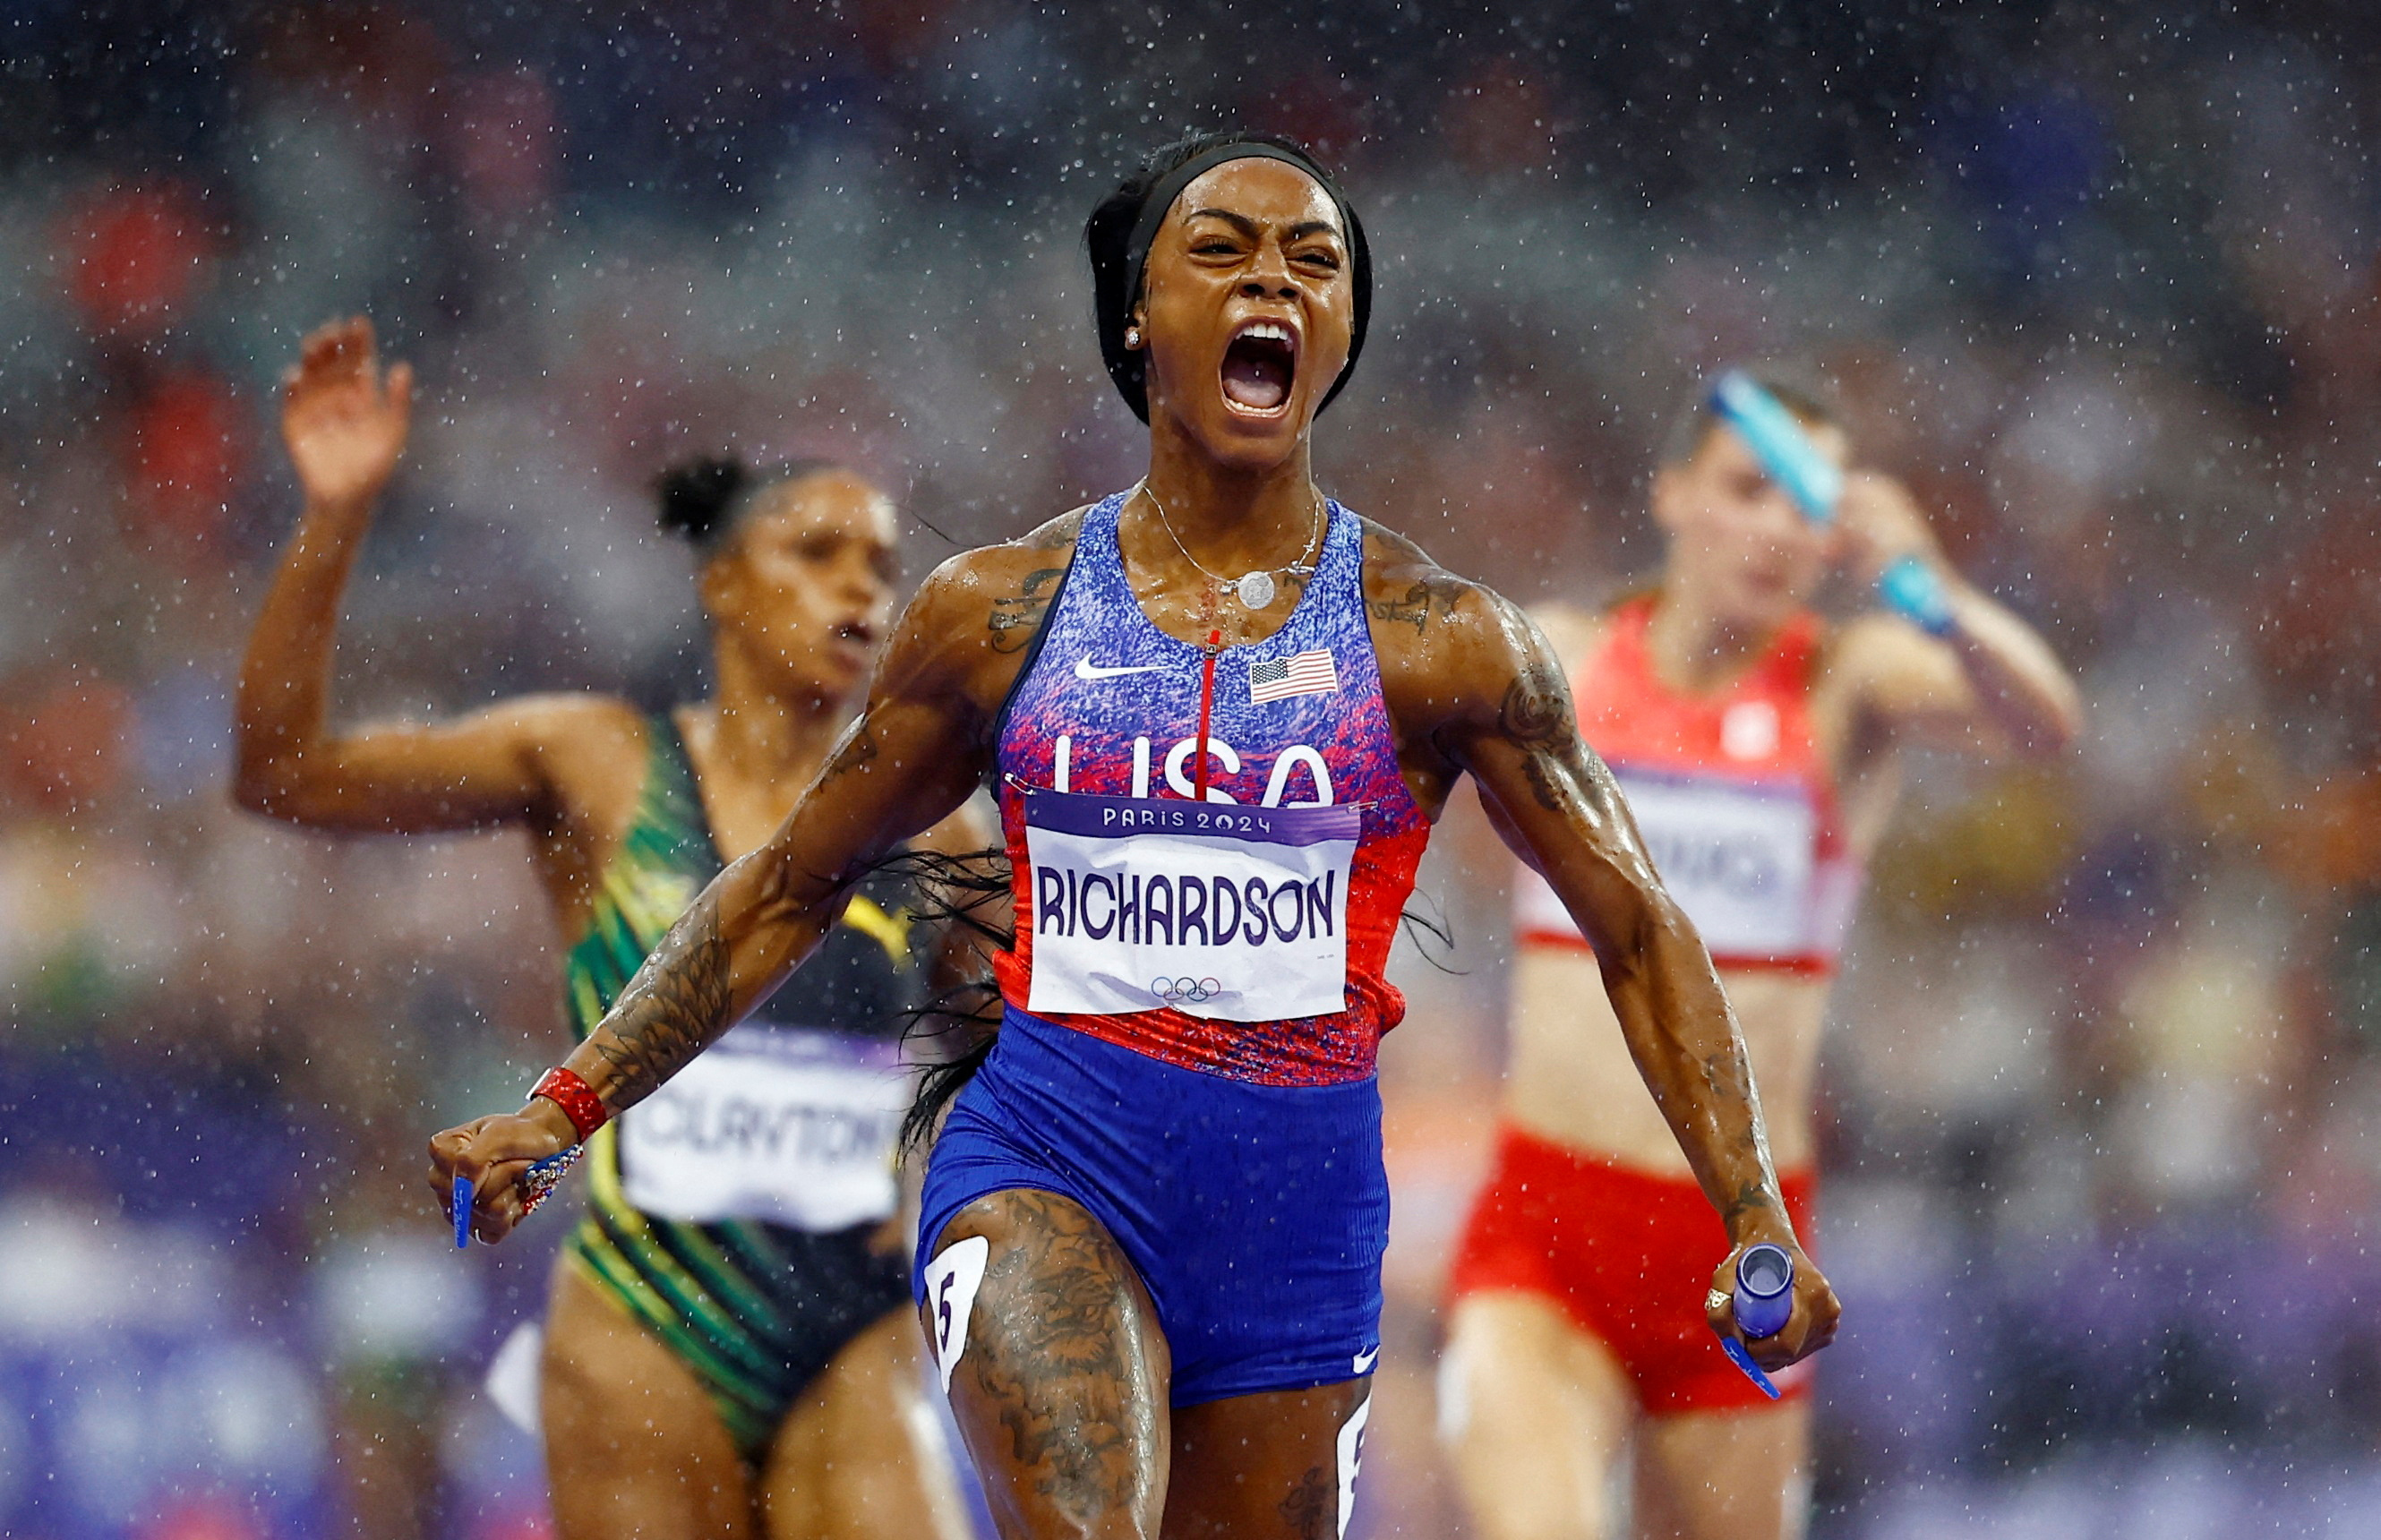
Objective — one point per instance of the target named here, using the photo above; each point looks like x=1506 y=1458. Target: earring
x=1132 y=336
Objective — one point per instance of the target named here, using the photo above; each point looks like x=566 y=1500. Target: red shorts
x=1626 y=1255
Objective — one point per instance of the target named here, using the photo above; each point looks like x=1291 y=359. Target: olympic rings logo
x=1174 y=992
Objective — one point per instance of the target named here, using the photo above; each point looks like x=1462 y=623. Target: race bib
x=1738 y=857
x=790 y=1125
x=1226 y=912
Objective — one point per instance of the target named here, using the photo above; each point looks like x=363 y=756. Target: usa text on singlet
x=1245 y=932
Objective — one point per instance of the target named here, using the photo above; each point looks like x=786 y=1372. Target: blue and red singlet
x=1196 y=994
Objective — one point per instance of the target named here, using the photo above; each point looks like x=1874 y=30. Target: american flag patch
x=1303 y=674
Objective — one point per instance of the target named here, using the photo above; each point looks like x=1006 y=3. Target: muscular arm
x=913 y=756
x=1559 y=809
x=1476 y=689
x=894 y=773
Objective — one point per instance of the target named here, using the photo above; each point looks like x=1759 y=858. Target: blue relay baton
x=462 y=1206
x=1764 y=1301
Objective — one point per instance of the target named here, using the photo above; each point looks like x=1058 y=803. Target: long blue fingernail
x=462 y=1207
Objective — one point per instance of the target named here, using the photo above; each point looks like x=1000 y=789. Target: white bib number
x=789 y=1125
x=952 y=1279
x=1739 y=858
x=1225 y=912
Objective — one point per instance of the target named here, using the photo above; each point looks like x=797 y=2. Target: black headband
x=1122 y=366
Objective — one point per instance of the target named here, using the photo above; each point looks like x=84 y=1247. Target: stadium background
x=2103 y=1101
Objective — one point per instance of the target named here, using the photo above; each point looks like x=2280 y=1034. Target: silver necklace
x=1253 y=590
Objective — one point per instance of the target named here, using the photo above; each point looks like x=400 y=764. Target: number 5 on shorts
x=952 y=1279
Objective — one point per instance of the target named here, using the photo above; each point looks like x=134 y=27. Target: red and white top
x=1733 y=796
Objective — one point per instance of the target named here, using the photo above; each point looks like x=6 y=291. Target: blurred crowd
x=2103 y=1097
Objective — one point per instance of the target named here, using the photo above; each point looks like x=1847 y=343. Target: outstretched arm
x=1559 y=808
x=1507 y=719
x=914 y=755
x=344 y=421
x=891 y=777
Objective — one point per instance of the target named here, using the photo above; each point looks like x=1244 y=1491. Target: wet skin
x=1067 y=1413
x=799 y=595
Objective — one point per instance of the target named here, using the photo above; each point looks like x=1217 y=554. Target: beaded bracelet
x=576 y=1099
x=534 y=1185
x=538 y=1182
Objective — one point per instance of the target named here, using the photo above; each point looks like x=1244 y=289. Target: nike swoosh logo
x=1364 y=1360
x=1086 y=669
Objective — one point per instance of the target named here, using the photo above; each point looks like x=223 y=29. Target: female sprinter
x=1758 y=746
x=728 y=1349
x=1221 y=712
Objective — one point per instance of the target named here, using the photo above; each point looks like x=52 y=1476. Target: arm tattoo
x=1536 y=709
x=1058 y=534
x=1729 y=1075
x=1725 y=1073
x=1013 y=621
x=857 y=752
x=1550 y=792
x=1753 y=1196
x=1414 y=607
x=1535 y=717
x=671 y=1010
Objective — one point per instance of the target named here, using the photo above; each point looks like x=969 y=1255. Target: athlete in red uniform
x=1756 y=745
x=1221 y=712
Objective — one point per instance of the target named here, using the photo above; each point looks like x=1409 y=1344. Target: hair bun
x=696 y=495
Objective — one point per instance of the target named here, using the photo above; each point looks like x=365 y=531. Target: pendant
x=1255 y=590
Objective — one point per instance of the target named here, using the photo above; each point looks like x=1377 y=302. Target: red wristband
x=576 y=1098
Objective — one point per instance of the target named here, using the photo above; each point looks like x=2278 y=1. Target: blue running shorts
x=1256 y=1215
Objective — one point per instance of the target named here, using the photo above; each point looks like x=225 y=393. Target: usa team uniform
x=1195 y=997
x=1740 y=811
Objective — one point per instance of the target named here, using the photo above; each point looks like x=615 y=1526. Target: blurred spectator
x=134 y=255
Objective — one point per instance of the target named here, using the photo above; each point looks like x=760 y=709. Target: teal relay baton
x=1908 y=587
x=1787 y=455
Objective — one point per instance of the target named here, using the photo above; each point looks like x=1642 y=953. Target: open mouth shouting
x=1260 y=365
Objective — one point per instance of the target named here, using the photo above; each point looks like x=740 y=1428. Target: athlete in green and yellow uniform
x=727 y=1353
x=810 y=1093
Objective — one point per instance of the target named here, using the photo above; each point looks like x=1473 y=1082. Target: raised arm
x=912 y=757
x=1989 y=684
x=1504 y=714
x=344 y=421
